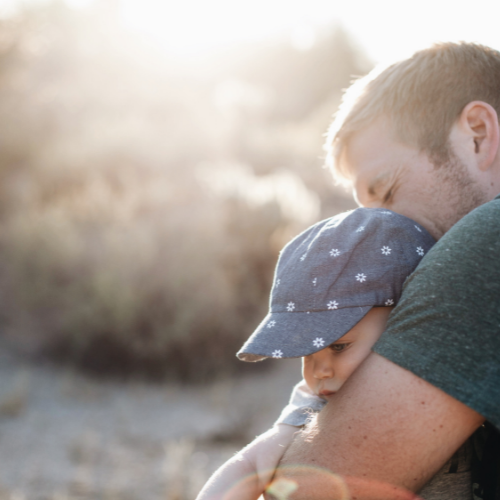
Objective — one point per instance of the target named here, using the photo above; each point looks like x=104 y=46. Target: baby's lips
x=326 y=393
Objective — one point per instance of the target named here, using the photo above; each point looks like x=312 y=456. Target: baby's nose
x=323 y=369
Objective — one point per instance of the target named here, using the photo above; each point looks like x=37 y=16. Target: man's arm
x=386 y=427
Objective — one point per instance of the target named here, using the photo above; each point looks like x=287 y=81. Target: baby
x=334 y=287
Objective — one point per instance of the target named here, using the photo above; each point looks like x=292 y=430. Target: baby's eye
x=339 y=347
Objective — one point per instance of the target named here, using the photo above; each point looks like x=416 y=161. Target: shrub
x=135 y=235
x=147 y=281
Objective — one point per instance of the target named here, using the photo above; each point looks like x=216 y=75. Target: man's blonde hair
x=422 y=96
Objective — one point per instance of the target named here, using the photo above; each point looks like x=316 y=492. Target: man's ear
x=477 y=134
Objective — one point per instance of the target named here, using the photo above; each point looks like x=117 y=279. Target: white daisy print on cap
x=333 y=304
x=386 y=250
x=389 y=302
x=290 y=307
x=420 y=251
x=318 y=342
x=277 y=354
x=361 y=277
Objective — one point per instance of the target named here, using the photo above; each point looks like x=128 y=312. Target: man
x=422 y=139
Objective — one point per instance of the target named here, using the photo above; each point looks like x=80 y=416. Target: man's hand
x=385 y=432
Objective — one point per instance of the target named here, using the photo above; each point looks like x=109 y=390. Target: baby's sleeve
x=303 y=403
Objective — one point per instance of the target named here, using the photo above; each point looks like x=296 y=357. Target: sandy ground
x=64 y=436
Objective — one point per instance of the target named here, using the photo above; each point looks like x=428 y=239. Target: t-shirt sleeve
x=446 y=327
x=303 y=404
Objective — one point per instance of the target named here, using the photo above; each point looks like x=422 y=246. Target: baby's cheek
x=350 y=366
x=307 y=372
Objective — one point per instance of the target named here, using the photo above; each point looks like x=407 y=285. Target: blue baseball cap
x=330 y=276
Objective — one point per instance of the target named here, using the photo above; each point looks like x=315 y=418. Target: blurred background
x=154 y=158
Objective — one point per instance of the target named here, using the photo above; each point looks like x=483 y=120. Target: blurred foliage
x=143 y=199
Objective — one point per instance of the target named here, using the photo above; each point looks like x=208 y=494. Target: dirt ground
x=64 y=436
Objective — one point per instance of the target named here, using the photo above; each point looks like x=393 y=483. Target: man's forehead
x=373 y=141
x=373 y=155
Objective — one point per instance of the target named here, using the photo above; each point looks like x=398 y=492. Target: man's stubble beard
x=457 y=192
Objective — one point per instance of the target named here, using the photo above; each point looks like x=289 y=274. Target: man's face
x=389 y=174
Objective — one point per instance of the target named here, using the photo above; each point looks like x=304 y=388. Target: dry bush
x=125 y=247
x=140 y=282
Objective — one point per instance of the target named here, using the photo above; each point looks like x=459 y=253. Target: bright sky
x=386 y=29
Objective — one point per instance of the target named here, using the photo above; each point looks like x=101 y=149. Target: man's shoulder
x=445 y=326
x=477 y=228
x=490 y=208
x=483 y=212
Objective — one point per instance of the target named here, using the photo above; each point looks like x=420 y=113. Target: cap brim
x=297 y=334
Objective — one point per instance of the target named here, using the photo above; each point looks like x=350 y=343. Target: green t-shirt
x=446 y=327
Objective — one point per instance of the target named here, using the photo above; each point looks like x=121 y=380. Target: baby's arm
x=246 y=475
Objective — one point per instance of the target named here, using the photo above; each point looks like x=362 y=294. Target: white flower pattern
x=333 y=304
x=389 y=302
x=303 y=257
x=318 y=342
x=361 y=277
x=420 y=251
x=290 y=307
x=271 y=323
x=360 y=228
x=277 y=354
x=386 y=250
x=334 y=252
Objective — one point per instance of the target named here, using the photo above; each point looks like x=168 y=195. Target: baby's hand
x=270 y=451
x=246 y=475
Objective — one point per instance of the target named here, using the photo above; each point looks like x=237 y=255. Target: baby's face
x=326 y=371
